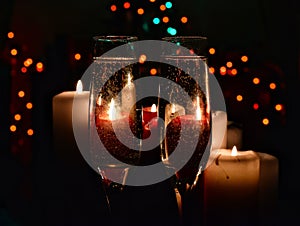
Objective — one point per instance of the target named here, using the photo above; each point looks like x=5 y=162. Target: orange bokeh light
x=272 y=85
x=265 y=121
x=165 y=19
x=17 y=117
x=212 y=51
x=244 y=58
x=140 y=11
x=29 y=105
x=10 y=35
x=13 y=128
x=239 y=97
x=278 y=107
x=13 y=52
x=153 y=71
x=256 y=80
x=233 y=72
x=21 y=93
x=30 y=132
x=77 y=56
x=142 y=58
x=212 y=70
x=184 y=19
x=39 y=67
x=162 y=7
x=229 y=64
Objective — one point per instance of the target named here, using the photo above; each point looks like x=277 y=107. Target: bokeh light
x=30 y=132
x=265 y=121
x=17 y=117
x=239 y=97
x=21 y=93
x=29 y=105
x=10 y=35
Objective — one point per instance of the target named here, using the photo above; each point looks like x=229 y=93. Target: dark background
x=53 y=31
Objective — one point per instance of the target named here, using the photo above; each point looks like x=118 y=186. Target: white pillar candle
x=268 y=187
x=231 y=187
x=64 y=117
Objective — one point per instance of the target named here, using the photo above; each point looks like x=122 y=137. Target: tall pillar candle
x=64 y=142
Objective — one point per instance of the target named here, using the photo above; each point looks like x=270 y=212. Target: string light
x=239 y=97
x=77 y=56
x=10 y=35
x=113 y=8
x=126 y=5
x=244 y=58
x=255 y=106
x=21 y=94
x=13 y=128
x=153 y=71
x=162 y=7
x=13 y=52
x=140 y=11
x=30 y=132
x=223 y=70
x=165 y=19
x=278 y=107
x=156 y=20
x=142 y=58
x=17 y=117
x=256 y=81
x=272 y=85
x=233 y=72
x=169 y=5
x=229 y=64
x=184 y=19
x=29 y=105
x=39 y=67
x=265 y=121
x=212 y=51
x=212 y=70
x=23 y=70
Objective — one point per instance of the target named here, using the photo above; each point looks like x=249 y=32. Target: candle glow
x=234 y=151
x=112 y=110
x=79 y=87
x=198 y=110
x=153 y=108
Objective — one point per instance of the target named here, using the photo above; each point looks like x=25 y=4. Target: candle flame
x=198 y=110
x=79 y=87
x=173 y=109
x=129 y=79
x=99 y=101
x=234 y=151
x=153 y=108
x=112 y=110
